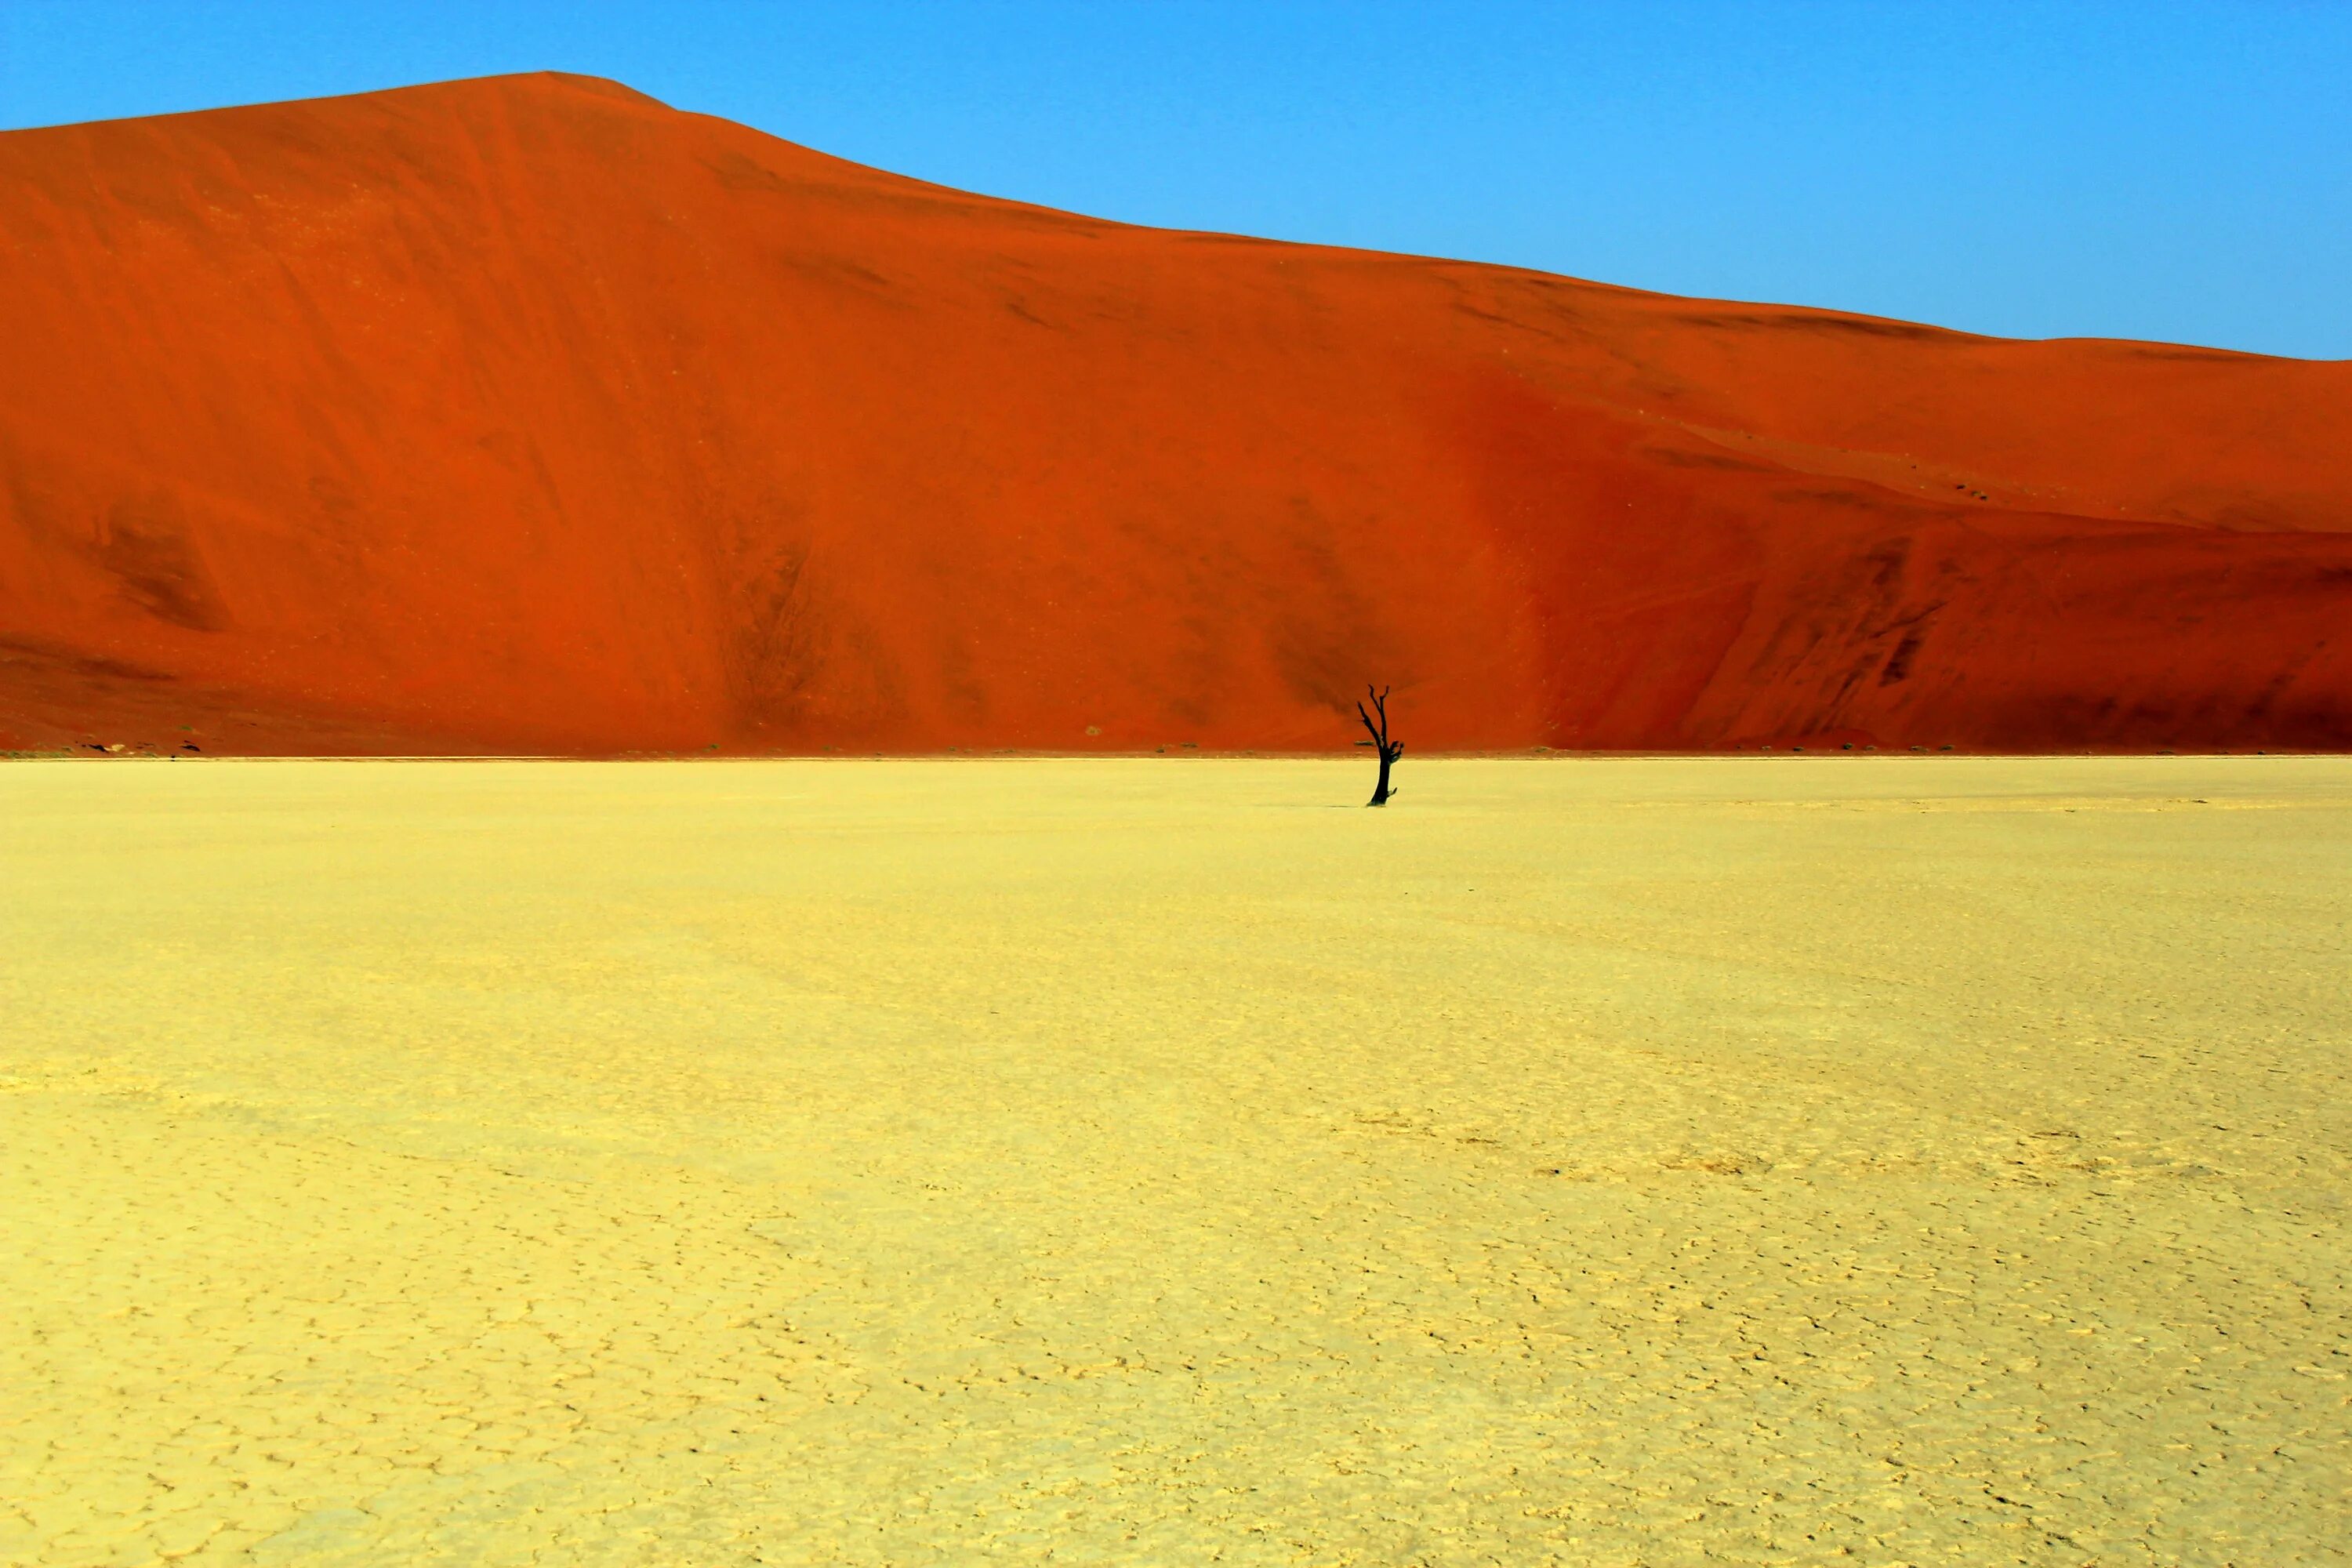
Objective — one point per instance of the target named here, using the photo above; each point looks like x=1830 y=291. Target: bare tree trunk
x=1390 y=750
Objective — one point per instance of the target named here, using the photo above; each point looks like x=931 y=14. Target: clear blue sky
x=2179 y=172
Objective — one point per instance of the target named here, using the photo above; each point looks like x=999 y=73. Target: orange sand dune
x=530 y=414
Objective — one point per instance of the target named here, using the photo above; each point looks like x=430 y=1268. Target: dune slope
x=528 y=414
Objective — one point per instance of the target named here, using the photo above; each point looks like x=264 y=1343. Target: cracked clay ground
x=1887 y=1160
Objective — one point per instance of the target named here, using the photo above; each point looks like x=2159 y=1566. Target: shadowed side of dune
x=530 y=414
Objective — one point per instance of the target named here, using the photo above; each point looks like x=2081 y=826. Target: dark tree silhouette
x=1389 y=749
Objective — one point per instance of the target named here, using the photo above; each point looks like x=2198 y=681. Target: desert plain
x=1883 y=1160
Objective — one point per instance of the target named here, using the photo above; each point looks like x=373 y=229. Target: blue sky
x=2178 y=172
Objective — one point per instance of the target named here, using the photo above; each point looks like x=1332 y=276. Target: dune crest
x=530 y=414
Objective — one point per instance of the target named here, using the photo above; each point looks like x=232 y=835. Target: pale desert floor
x=1168 y=1161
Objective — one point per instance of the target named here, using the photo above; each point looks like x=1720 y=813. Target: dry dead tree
x=1389 y=749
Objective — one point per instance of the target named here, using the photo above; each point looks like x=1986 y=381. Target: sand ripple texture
x=1880 y=1160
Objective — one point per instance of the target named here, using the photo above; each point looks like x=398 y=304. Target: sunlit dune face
x=530 y=414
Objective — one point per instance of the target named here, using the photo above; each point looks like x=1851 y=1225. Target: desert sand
x=531 y=415
x=1889 y=1160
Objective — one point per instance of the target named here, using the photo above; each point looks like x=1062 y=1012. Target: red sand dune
x=530 y=414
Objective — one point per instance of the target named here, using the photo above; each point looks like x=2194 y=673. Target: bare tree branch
x=1390 y=750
